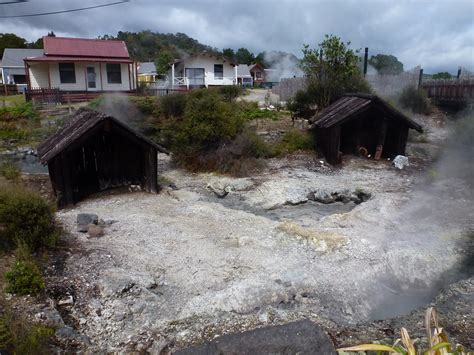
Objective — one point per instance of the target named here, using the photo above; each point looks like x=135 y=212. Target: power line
x=64 y=11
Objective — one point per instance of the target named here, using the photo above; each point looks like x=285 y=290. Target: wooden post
x=85 y=74
x=135 y=64
x=100 y=72
x=172 y=76
x=49 y=75
x=459 y=73
x=129 y=78
x=381 y=140
x=420 y=78
x=366 y=58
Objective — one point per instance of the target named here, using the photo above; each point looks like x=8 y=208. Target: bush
x=292 y=141
x=25 y=217
x=21 y=337
x=414 y=99
x=173 y=105
x=9 y=171
x=207 y=122
x=24 y=279
x=251 y=111
x=230 y=92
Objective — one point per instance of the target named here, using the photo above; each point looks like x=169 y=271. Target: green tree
x=163 y=61
x=228 y=53
x=386 y=64
x=442 y=75
x=11 y=40
x=332 y=69
x=260 y=59
x=244 y=56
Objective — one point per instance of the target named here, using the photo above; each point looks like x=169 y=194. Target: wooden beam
x=381 y=139
x=129 y=78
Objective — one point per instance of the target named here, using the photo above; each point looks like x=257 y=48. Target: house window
x=258 y=74
x=67 y=73
x=218 y=71
x=114 y=74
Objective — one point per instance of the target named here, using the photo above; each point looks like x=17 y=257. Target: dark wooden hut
x=94 y=152
x=361 y=124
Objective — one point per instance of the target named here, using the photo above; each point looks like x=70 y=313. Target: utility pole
x=366 y=58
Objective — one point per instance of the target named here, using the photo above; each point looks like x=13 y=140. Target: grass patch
x=9 y=171
x=251 y=111
x=18 y=336
x=415 y=100
x=12 y=99
x=293 y=141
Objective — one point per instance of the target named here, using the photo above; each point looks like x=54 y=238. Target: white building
x=203 y=70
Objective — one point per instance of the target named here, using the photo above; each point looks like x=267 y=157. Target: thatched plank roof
x=350 y=105
x=82 y=121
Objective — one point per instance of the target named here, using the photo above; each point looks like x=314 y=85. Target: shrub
x=24 y=279
x=18 y=336
x=207 y=122
x=230 y=92
x=414 y=99
x=9 y=171
x=292 y=141
x=25 y=217
x=173 y=105
x=146 y=104
x=251 y=111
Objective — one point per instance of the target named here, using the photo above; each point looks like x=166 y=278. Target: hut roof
x=82 y=121
x=351 y=105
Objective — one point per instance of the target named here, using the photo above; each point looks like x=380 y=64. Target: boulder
x=323 y=196
x=84 y=219
x=400 y=161
x=300 y=337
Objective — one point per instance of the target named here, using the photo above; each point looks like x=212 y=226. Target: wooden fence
x=450 y=89
x=44 y=96
x=9 y=89
x=288 y=87
x=390 y=85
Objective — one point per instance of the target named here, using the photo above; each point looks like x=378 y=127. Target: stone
x=66 y=301
x=84 y=219
x=323 y=196
x=95 y=231
x=300 y=337
x=400 y=161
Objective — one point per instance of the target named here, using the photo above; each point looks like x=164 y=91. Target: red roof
x=81 y=47
x=77 y=59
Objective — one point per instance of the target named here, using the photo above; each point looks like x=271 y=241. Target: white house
x=244 y=77
x=80 y=65
x=12 y=67
x=203 y=70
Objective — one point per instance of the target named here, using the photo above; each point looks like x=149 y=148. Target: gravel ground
x=185 y=266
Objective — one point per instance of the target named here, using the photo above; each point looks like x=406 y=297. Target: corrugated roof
x=82 y=121
x=353 y=104
x=243 y=70
x=78 y=59
x=13 y=57
x=147 y=68
x=81 y=47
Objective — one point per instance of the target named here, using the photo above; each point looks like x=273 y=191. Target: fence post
x=420 y=78
x=366 y=58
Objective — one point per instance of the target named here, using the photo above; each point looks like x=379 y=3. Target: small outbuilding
x=361 y=124
x=94 y=152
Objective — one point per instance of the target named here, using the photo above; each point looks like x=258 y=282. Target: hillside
x=149 y=46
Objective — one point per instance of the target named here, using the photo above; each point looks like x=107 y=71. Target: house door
x=91 y=78
x=195 y=76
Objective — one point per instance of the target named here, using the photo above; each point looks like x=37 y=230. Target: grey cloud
x=437 y=35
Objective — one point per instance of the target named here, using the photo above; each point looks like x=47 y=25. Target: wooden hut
x=361 y=124
x=94 y=152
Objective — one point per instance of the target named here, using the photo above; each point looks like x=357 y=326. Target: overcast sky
x=436 y=34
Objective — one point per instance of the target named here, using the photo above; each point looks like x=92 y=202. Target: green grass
x=12 y=100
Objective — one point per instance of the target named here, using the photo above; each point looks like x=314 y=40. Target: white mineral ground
x=183 y=261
